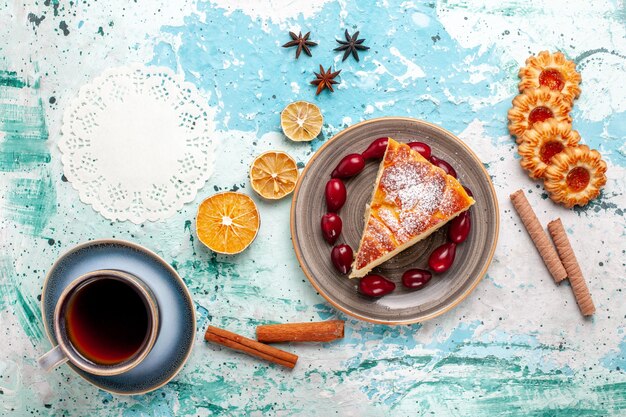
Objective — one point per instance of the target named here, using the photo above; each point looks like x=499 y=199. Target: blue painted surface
x=516 y=346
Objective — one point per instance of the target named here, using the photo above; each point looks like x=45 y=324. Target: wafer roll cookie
x=575 y=275
x=539 y=236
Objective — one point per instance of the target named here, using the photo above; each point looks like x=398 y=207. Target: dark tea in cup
x=105 y=323
x=107 y=320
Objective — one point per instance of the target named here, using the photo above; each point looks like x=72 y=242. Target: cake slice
x=412 y=198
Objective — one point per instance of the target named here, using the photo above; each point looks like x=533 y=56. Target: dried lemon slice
x=227 y=222
x=301 y=121
x=273 y=174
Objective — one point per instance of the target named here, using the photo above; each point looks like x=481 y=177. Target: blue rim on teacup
x=102 y=382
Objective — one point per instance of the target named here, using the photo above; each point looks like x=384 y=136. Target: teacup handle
x=52 y=359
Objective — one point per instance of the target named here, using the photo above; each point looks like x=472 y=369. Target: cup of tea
x=105 y=323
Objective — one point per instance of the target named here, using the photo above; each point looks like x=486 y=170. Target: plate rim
x=298 y=253
x=157 y=258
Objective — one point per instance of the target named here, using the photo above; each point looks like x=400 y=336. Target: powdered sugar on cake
x=415 y=192
x=412 y=198
x=413 y=186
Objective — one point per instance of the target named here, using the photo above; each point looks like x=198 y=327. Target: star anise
x=325 y=79
x=351 y=46
x=302 y=42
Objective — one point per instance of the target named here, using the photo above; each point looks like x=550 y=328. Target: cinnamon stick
x=323 y=331
x=575 y=275
x=539 y=236
x=249 y=346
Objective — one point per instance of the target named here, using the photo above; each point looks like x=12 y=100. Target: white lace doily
x=137 y=143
